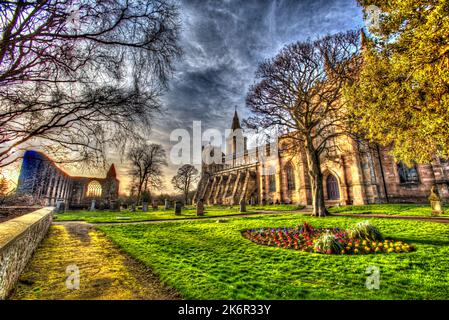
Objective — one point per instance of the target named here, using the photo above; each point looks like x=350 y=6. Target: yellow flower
x=356 y=250
x=364 y=242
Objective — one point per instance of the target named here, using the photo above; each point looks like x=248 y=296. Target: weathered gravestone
x=167 y=204
x=178 y=207
x=435 y=202
x=242 y=205
x=252 y=202
x=154 y=205
x=115 y=205
x=200 y=208
x=144 y=206
x=92 y=205
x=60 y=206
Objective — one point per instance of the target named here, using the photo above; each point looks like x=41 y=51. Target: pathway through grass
x=105 y=272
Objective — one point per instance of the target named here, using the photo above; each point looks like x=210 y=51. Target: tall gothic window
x=290 y=177
x=406 y=174
x=94 y=189
x=272 y=183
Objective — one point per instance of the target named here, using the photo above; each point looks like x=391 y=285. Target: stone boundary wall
x=19 y=238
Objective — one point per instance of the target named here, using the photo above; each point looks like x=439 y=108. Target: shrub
x=328 y=243
x=366 y=231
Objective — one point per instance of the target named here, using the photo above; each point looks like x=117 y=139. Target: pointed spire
x=235 y=120
x=111 y=173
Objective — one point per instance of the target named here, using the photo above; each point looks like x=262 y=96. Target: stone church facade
x=41 y=178
x=355 y=173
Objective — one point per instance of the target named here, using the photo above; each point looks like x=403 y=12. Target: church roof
x=235 y=121
x=111 y=172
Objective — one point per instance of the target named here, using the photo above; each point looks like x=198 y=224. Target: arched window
x=290 y=177
x=94 y=189
x=406 y=174
x=333 y=191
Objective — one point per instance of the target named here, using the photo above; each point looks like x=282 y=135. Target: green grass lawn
x=209 y=260
x=390 y=209
x=188 y=212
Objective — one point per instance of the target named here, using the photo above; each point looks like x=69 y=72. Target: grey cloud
x=224 y=41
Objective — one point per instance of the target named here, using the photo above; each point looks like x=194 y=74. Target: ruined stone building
x=356 y=173
x=41 y=178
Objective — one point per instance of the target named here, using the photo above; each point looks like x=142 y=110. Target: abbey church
x=43 y=180
x=356 y=173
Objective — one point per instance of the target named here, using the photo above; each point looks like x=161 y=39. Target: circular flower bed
x=328 y=241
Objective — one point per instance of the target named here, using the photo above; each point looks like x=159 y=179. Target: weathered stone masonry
x=356 y=173
x=19 y=238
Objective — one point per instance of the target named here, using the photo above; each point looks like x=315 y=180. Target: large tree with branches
x=299 y=92
x=146 y=161
x=185 y=177
x=79 y=76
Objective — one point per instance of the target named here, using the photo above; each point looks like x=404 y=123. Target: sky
x=223 y=42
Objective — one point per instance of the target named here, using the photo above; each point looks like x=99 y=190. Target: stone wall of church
x=428 y=175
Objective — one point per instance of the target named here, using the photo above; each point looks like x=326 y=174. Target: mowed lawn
x=389 y=209
x=210 y=260
x=161 y=214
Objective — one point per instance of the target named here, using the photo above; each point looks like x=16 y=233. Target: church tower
x=235 y=142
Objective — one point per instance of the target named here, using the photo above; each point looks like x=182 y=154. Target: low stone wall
x=19 y=238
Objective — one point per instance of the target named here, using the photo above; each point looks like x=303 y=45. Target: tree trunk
x=316 y=181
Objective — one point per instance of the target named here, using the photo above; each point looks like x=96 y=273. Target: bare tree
x=184 y=178
x=300 y=93
x=79 y=76
x=146 y=162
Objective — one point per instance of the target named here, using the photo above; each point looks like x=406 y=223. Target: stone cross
x=200 y=208
x=242 y=205
x=178 y=206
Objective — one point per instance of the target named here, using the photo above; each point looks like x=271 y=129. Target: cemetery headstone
x=60 y=206
x=243 y=205
x=167 y=204
x=92 y=205
x=435 y=202
x=154 y=205
x=200 y=208
x=178 y=207
x=144 y=206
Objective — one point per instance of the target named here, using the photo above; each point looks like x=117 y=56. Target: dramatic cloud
x=224 y=41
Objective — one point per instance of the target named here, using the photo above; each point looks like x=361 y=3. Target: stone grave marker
x=243 y=205
x=92 y=205
x=435 y=202
x=178 y=207
x=200 y=208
